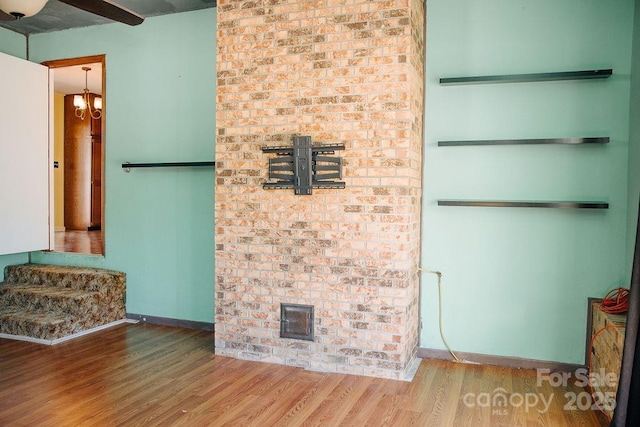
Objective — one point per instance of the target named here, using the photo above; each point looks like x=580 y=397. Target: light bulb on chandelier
x=83 y=102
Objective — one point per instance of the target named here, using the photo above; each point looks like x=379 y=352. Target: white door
x=25 y=171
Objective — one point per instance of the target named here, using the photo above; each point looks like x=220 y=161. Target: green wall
x=160 y=107
x=12 y=43
x=634 y=142
x=516 y=280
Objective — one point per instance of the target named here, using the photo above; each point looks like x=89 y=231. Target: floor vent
x=296 y=321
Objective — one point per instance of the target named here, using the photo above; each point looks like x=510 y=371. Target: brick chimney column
x=340 y=71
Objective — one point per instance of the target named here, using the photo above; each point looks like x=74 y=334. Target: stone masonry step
x=51 y=325
x=50 y=302
x=48 y=298
x=87 y=279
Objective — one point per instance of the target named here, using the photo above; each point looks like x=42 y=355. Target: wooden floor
x=144 y=375
x=82 y=242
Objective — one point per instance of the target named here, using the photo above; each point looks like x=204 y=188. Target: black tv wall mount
x=304 y=167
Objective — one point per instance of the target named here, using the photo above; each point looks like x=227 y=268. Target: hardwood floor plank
x=77 y=241
x=441 y=412
x=156 y=375
x=384 y=412
x=316 y=394
x=362 y=407
x=333 y=410
x=414 y=398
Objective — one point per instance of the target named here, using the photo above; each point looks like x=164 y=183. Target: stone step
x=50 y=302
x=47 y=298
x=79 y=278
x=46 y=325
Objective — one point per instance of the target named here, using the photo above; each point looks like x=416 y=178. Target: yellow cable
x=439 y=274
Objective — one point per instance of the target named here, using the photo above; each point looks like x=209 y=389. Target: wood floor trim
x=509 y=362
x=167 y=321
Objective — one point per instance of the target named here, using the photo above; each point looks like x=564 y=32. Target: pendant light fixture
x=22 y=8
x=83 y=102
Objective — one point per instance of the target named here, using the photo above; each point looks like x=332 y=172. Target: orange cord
x=616 y=301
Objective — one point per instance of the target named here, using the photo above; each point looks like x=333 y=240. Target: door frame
x=69 y=62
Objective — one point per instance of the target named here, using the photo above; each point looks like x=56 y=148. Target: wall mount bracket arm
x=304 y=166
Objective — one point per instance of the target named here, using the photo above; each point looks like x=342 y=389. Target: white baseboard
x=68 y=337
x=63 y=228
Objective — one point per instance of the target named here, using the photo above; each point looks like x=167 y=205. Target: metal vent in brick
x=296 y=321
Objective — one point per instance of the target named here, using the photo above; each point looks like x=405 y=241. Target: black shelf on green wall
x=542 y=141
x=525 y=204
x=534 y=77
x=127 y=166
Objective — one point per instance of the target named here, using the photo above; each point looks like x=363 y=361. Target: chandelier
x=83 y=102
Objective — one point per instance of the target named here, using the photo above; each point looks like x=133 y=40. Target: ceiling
x=68 y=80
x=59 y=16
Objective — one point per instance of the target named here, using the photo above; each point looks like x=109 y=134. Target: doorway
x=79 y=147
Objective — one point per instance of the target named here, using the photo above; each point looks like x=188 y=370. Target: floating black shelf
x=127 y=166
x=524 y=204
x=569 y=141
x=535 y=77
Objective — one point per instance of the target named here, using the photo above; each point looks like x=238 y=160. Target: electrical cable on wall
x=439 y=274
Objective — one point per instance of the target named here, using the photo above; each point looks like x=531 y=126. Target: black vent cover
x=296 y=321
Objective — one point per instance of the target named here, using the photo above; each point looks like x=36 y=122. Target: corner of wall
x=633 y=177
x=14 y=43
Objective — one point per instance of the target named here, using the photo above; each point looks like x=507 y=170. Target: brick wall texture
x=340 y=71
